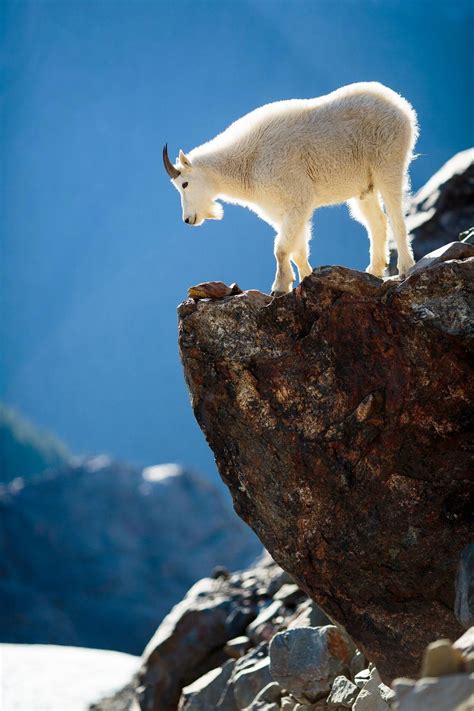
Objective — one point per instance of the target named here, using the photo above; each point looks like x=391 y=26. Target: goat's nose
x=187 y=220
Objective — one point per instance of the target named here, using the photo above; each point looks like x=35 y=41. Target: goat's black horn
x=169 y=167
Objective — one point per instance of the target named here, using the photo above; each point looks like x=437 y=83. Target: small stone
x=374 y=681
x=402 y=686
x=369 y=702
x=306 y=660
x=308 y=614
x=374 y=695
x=262 y=706
x=240 y=617
x=469 y=662
x=343 y=693
x=289 y=594
x=213 y=290
x=358 y=663
x=454 y=692
x=261 y=629
x=268 y=699
x=237 y=647
x=465 y=643
x=441 y=658
x=362 y=677
x=387 y=694
x=467 y=236
x=250 y=680
x=282 y=578
x=205 y=692
x=271 y=692
x=220 y=572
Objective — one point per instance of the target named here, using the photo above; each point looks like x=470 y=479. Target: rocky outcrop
x=244 y=640
x=443 y=208
x=340 y=416
x=192 y=639
x=95 y=554
x=288 y=657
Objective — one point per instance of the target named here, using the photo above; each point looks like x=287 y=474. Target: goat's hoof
x=404 y=271
x=376 y=271
x=276 y=294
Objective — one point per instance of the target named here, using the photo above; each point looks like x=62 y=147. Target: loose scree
x=288 y=158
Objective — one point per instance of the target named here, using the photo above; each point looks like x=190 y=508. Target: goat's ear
x=184 y=160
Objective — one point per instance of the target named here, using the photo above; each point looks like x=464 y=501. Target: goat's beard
x=216 y=212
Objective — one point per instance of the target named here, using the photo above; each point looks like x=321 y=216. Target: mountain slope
x=95 y=554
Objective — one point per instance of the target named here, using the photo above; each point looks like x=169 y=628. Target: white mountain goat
x=286 y=159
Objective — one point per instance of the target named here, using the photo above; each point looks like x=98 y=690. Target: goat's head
x=196 y=191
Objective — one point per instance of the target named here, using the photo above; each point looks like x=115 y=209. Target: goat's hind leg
x=391 y=183
x=393 y=201
x=368 y=210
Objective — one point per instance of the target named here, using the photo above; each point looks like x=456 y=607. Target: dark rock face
x=96 y=554
x=443 y=208
x=340 y=416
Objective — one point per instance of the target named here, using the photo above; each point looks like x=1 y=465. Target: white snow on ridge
x=159 y=472
x=42 y=677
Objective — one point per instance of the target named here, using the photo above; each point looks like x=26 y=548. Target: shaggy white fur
x=286 y=159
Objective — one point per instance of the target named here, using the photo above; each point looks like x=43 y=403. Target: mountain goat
x=288 y=158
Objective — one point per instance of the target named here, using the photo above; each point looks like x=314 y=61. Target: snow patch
x=41 y=677
x=160 y=472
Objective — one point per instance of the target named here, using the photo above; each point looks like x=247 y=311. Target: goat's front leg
x=285 y=275
x=291 y=240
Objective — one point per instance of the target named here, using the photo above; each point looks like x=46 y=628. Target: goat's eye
x=185 y=185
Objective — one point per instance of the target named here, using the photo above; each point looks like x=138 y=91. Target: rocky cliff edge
x=340 y=416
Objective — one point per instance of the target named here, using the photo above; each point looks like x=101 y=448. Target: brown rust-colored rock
x=340 y=416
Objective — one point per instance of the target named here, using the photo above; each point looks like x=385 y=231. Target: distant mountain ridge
x=95 y=553
x=25 y=450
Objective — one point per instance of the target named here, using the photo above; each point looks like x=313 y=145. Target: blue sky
x=95 y=257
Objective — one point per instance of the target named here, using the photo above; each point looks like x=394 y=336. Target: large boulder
x=340 y=416
x=306 y=661
x=95 y=554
